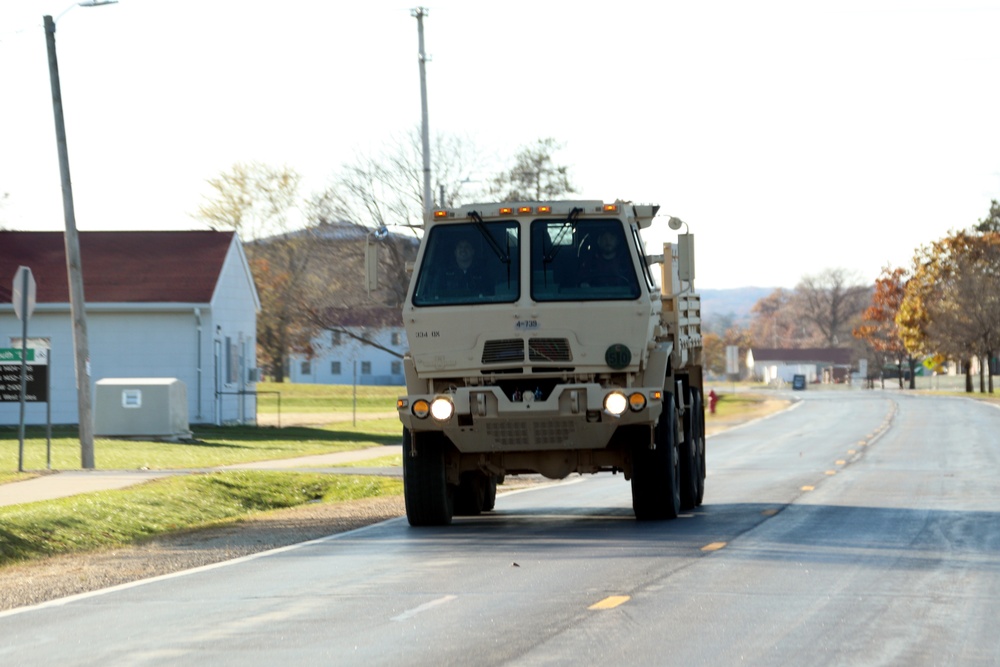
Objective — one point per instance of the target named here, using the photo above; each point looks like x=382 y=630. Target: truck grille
x=549 y=349
x=503 y=351
x=547 y=433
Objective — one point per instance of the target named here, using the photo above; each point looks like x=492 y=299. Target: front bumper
x=572 y=417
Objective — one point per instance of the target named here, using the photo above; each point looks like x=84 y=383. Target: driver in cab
x=609 y=265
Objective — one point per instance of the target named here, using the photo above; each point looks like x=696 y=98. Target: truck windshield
x=581 y=260
x=469 y=263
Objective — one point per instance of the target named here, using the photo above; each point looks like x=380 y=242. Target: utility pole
x=73 y=265
x=419 y=13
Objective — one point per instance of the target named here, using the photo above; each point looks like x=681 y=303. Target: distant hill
x=720 y=308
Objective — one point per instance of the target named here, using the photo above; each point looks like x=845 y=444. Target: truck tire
x=693 y=455
x=701 y=464
x=656 y=490
x=470 y=496
x=428 y=496
x=491 y=494
x=477 y=493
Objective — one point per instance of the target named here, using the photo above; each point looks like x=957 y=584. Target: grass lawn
x=305 y=398
x=741 y=406
x=113 y=518
x=212 y=446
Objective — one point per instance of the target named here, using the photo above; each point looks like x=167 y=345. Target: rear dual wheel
x=692 y=460
x=476 y=493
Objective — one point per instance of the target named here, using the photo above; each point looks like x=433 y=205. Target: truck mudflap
x=571 y=417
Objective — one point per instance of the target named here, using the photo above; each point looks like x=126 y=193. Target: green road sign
x=13 y=355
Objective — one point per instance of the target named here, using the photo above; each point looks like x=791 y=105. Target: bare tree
x=261 y=203
x=773 y=324
x=832 y=301
x=534 y=176
x=255 y=199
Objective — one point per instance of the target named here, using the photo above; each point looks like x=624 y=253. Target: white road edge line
x=410 y=613
x=183 y=573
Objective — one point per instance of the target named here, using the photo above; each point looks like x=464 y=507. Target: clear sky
x=792 y=136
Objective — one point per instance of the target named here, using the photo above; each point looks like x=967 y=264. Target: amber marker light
x=440 y=214
x=421 y=408
x=524 y=210
x=636 y=401
x=506 y=210
x=611 y=208
x=544 y=209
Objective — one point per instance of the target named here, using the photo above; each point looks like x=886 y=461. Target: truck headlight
x=442 y=409
x=615 y=403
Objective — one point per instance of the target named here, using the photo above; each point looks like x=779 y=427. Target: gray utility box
x=154 y=408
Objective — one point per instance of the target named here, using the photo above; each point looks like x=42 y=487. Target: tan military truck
x=541 y=343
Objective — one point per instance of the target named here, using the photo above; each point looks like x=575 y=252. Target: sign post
x=24 y=305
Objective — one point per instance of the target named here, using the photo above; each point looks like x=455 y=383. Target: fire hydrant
x=713 y=398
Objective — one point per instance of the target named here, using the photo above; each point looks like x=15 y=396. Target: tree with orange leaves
x=952 y=301
x=879 y=328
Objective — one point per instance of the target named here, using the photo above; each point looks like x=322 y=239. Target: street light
x=81 y=349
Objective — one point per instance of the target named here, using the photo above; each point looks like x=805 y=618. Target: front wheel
x=428 y=497
x=656 y=483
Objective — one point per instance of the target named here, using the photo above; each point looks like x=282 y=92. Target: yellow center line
x=714 y=546
x=841 y=462
x=852 y=451
x=610 y=602
x=808 y=488
x=769 y=512
x=831 y=472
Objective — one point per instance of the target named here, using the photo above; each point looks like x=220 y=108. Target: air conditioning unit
x=153 y=408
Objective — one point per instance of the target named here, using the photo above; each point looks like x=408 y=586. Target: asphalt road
x=859 y=528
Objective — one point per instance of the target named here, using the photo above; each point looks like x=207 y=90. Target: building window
x=397 y=338
x=334 y=368
x=397 y=368
x=335 y=338
x=366 y=368
x=306 y=368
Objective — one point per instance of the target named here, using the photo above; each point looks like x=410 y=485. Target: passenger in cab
x=465 y=276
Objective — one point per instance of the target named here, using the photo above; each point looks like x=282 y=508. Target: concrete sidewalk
x=73 y=482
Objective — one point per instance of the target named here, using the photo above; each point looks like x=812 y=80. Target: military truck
x=542 y=342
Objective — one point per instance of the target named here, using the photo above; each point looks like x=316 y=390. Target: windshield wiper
x=568 y=224
x=501 y=254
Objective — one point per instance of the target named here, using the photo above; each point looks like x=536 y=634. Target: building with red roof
x=159 y=305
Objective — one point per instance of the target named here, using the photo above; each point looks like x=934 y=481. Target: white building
x=774 y=365
x=340 y=358
x=159 y=305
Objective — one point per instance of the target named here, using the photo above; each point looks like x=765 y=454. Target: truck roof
x=642 y=213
